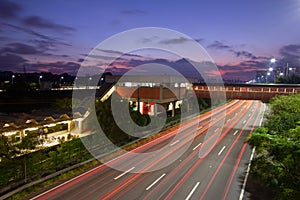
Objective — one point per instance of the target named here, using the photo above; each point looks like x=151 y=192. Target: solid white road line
x=235 y=132
x=216 y=129
x=246 y=176
x=174 y=142
x=197 y=146
x=199 y=128
x=263 y=112
x=260 y=122
x=244 y=121
x=192 y=191
x=228 y=120
x=221 y=150
x=124 y=173
x=150 y=186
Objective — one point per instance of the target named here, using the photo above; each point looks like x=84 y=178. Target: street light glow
x=271 y=69
x=273 y=60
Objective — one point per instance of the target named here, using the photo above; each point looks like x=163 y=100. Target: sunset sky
x=240 y=35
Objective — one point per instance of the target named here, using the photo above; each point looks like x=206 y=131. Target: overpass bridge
x=144 y=92
x=263 y=92
x=144 y=98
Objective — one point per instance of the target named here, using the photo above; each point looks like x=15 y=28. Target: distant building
x=261 y=76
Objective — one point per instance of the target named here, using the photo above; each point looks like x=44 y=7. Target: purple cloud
x=133 y=12
x=9 y=9
x=219 y=45
x=245 y=54
x=55 y=67
x=11 y=61
x=34 y=33
x=290 y=53
x=20 y=48
x=179 y=40
x=38 y=22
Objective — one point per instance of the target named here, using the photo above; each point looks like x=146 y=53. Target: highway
x=212 y=166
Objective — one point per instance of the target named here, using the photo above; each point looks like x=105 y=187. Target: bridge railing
x=283 y=90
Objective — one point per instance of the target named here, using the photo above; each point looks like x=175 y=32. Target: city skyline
x=240 y=36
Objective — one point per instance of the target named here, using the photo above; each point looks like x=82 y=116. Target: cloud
x=199 y=40
x=118 y=54
x=133 y=12
x=80 y=60
x=150 y=39
x=11 y=61
x=245 y=54
x=39 y=48
x=54 y=67
x=178 y=40
x=290 y=49
x=110 y=51
x=3 y=38
x=182 y=66
x=244 y=70
x=290 y=53
x=96 y=57
x=41 y=37
x=20 y=48
x=38 y=22
x=46 y=45
x=31 y=32
x=219 y=45
x=9 y=9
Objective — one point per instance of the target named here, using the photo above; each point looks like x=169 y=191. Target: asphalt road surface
x=206 y=159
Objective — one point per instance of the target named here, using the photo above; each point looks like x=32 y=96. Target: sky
x=240 y=36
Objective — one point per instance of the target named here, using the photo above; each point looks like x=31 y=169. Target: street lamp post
x=12 y=79
x=271 y=69
x=271 y=73
x=61 y=80
x=89 y=81
x=40 y=77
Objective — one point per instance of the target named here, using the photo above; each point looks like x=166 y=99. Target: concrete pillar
x=138 y=106
x=173 y=108
x=138 y=97
x=141 y=107
x=78 y=125
x=187 y=106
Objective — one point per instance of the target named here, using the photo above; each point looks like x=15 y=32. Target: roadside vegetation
x=293 y=79
x=19 y=165
x=277 y=162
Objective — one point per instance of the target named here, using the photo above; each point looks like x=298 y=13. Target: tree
x=277 y=163
x=293 y=79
